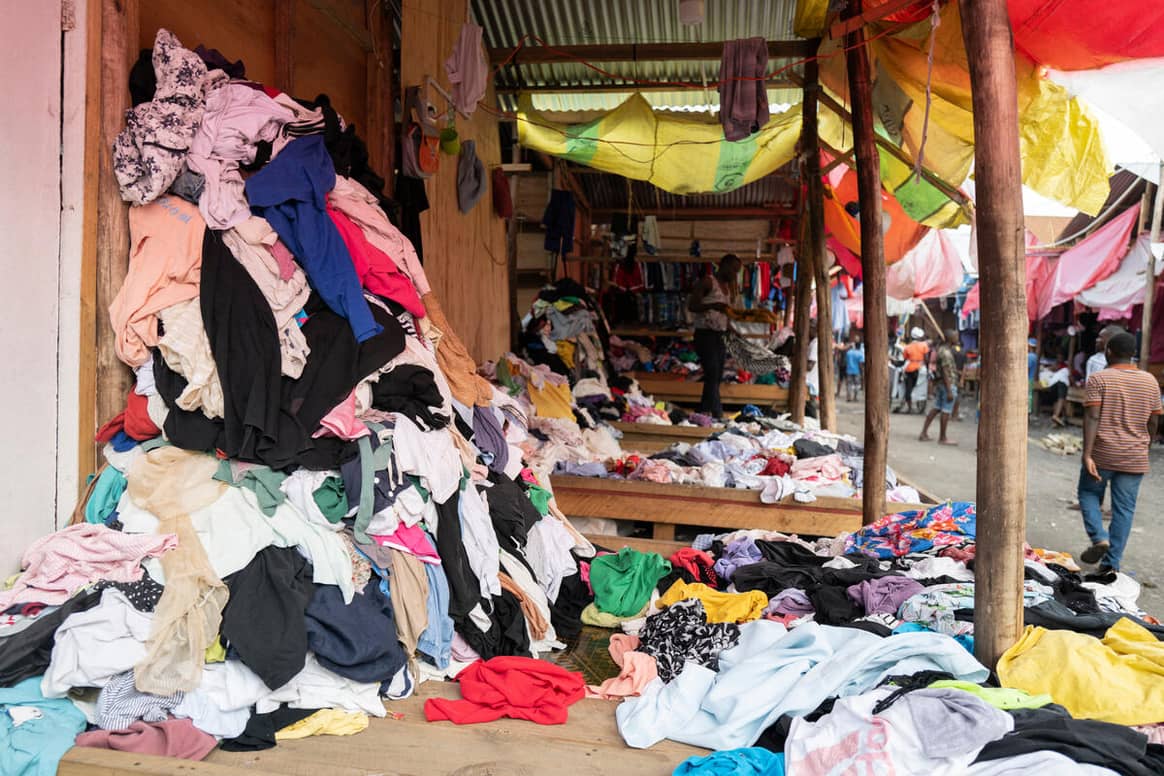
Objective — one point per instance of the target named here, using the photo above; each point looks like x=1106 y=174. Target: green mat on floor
x=589 y=653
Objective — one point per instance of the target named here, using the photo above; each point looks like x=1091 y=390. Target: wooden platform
x=671 y=388
x=653 y=437
x=588 y=743
x=668 y=505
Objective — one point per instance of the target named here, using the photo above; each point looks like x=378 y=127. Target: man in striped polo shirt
x=1122 y=409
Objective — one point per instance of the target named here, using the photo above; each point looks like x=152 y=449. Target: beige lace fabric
x=172 y=483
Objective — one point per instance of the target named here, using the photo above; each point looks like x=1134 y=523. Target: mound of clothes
x=312 y=500
x=855 y=654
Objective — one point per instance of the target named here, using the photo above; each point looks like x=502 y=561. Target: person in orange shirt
x=915 y=352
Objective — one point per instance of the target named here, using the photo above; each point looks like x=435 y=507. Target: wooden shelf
x=686 y=392
x=676 y=258
x=649 y=331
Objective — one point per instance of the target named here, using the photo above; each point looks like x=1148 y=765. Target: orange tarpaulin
x=842 y=220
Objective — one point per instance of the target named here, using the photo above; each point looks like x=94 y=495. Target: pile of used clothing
x=312 y=501
x=562 y=331
x=775 y=457
x=747 y=361
x=854 y=653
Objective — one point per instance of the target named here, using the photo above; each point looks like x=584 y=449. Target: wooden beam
x=950 y=191
x=627 y=88
x=635 y=52
x=1150 y=288
x=339 y=18
x=873 y=271
x=119 y=49
x=1002 y=429
x=798 y=389
x=814 y=246
x=700 y=213
x=284 y=37
x=888 y=8
x=380 y=92
x=838 y=161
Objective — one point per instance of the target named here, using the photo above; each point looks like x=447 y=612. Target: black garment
x=681 y=634
x=245 y=342
x=28 y=652
x=908 y=683
x=511 y=512
x=711 y=347
x=413 y=201
x=464 y=590
x=910 y=384
x=261 y=728
x=776 y=734
x=264 y=618
x=558 y=219
x=507 y=634
x=566 y=612
x=806 y=448
x=1070 y=592
x=348 y=151
x=143 y=81
x=1057 y=616
x=356 y=640
x=411 y=391
x=216 y=60
x=790 y=553
x=834 y=607
x=144 y=594
x=1089 y=741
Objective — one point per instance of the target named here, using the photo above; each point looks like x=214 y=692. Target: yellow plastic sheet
x=810 y=17
x=680 y=154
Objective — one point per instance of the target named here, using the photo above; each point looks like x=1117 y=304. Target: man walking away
x=1098 y=360
x=946 y=392
x=915 y=358
x=1121 y=413
x=854 y=365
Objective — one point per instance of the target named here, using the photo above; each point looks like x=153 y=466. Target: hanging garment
x=467 y=70
x=290 y=194
x=171 y=483
x=743 y=95
x=1091 y=260
x=514 y=687
x=236 y=118
x=559 y=222
x=149 y=153
x=165 y=262
x=471 y=181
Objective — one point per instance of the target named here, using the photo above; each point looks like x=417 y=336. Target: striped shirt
x=1126 y=398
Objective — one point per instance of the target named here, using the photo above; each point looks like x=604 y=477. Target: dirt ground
x=950 y=472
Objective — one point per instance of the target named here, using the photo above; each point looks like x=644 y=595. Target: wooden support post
x=1002 y=430
x=284 y=35
x=1150 y=287
x=119 y=48
x=873 y=276
x=815 y=249
x=798 y=391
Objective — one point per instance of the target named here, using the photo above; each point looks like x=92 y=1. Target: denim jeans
x=1124 y=489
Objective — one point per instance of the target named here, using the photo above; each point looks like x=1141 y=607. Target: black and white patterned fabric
x=682 y=634
x=150 y=152
x=753 y=356
x=120 y=704
x=144 y=594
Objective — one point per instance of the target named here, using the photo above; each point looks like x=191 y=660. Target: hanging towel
x=470 y=177
x=743 y=96
x=467 y=69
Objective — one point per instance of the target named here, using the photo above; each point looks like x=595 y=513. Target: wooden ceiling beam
x=773 y=83
x=636 y=52
x=701 y=213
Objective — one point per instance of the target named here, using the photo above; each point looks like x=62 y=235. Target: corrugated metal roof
x=605 y=190
x=581 y=22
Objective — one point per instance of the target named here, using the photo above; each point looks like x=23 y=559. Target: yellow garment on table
x=325 y=722
x=566 y=352
x=216 y=653
x=552 y=401
x=720 y=607
x=1119 y=679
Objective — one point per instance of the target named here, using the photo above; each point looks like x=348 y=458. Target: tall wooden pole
x=873 y=276
x=1002 y=430
x=815 y=245
x=798 y=391
x=1150 y=288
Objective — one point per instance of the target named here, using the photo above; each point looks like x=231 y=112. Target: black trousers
x=711 y=347
x=910 y=384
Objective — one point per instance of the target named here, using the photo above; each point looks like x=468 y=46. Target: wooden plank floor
x=588 y=744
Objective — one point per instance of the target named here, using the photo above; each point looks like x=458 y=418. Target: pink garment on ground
x=58 y=565
x=376 y=270
x=411 y=539
x=638 y=670
x=822 y=467
x=342 y=421
x=283 y=257
x=1090 y=261
x=170 y=738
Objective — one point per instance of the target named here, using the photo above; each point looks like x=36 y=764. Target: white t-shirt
x=1097 y=363
x=812 y=379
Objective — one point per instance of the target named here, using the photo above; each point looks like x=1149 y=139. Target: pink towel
x=170 y=738
x=638 y=670
x=58 y=565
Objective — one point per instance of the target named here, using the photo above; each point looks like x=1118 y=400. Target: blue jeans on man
x=1124 y=489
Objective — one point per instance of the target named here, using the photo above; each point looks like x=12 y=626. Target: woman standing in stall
x=709 y=303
